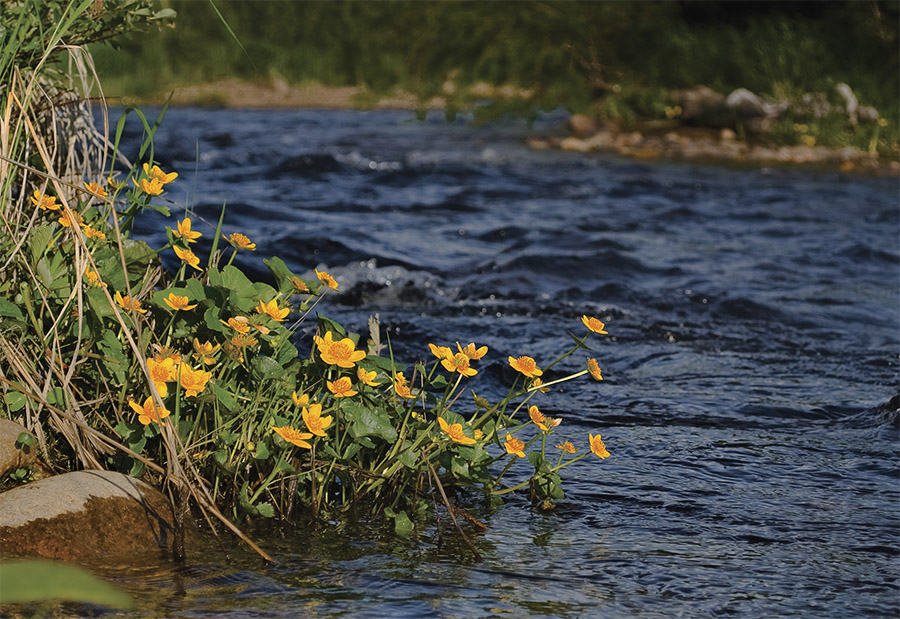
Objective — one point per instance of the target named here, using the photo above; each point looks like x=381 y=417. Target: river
x=751 y=367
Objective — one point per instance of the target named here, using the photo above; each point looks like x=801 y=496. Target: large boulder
x=84 y=515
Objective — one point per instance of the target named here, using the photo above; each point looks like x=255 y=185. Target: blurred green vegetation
x=618 y=58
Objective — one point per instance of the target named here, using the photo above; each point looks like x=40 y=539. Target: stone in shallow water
x=85 y=514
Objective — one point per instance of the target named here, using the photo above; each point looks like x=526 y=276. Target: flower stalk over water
x=241 y=241
x=526 y=365
x=326 y=279
x=187 y=256
x=185 y=233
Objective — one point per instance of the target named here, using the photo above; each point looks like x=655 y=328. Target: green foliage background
x=570 y=53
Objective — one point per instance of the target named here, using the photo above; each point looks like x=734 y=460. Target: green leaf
x=23 y=581
x=403 y=526
x=15 y=401
x=114 y=358
x=224 y=398
x=367 y=422
x=10 y=310
x=265 y=368
x=235 y=280
x=281 y=273
x=326 y=324
x=137 y=254
x=25 y=439
x=262 y=451
x=265 y=510
x=409 y=458
x=39 y=241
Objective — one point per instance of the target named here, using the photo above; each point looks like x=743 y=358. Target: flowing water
x=751 y=368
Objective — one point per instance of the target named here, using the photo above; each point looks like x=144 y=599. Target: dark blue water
x=750 y=367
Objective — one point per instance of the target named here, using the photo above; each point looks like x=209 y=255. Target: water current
x=751 y=368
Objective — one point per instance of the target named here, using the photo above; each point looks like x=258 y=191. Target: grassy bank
x=615 y=61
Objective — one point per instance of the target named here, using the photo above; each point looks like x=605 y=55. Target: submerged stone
x=86 y=514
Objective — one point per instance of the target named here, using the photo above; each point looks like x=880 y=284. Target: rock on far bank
x=85 y=515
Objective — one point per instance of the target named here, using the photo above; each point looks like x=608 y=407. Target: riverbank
x=650 y=140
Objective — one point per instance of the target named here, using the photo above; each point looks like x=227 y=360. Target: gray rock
x=867 y=113
x=850 y=102
x=745 y=103
x=86 y=514
x=813 y=105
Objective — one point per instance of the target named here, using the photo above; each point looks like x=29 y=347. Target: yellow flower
x=292 y=435
x=342 y=353
x=472 y=352
x=188 y=256
x=314 y=421
x=594 y=324
x=184 y=231
x=272 y=310
x=478 y=434
x=150 y=187
x=67 y=221
x=93 y=278
x=47 y=203
x=567 y=447
x=128 y=303
x=537 y=384
x=299 y=285
x=240 y=241
x=158 y=175
x=459 y=363
x=193 y=381
x=96 y=189
x=166 y=351
x=882 y=122
x=178 y=303
x=440 y=351
x=115 y=184
x=402 y=388
x=161 y=371
x=526 y=366
x=92 y=233
x=367 y=378
x=455 y=432
x=149 y=411
x=808 y=140
x=241 y=324
x=514 y=446
x=326 y=279
x=594 y=369
x=341 y=388
x=204 y=352
x=597 y=446
x=537 y=417
x=300 y=400
x=242 y=340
